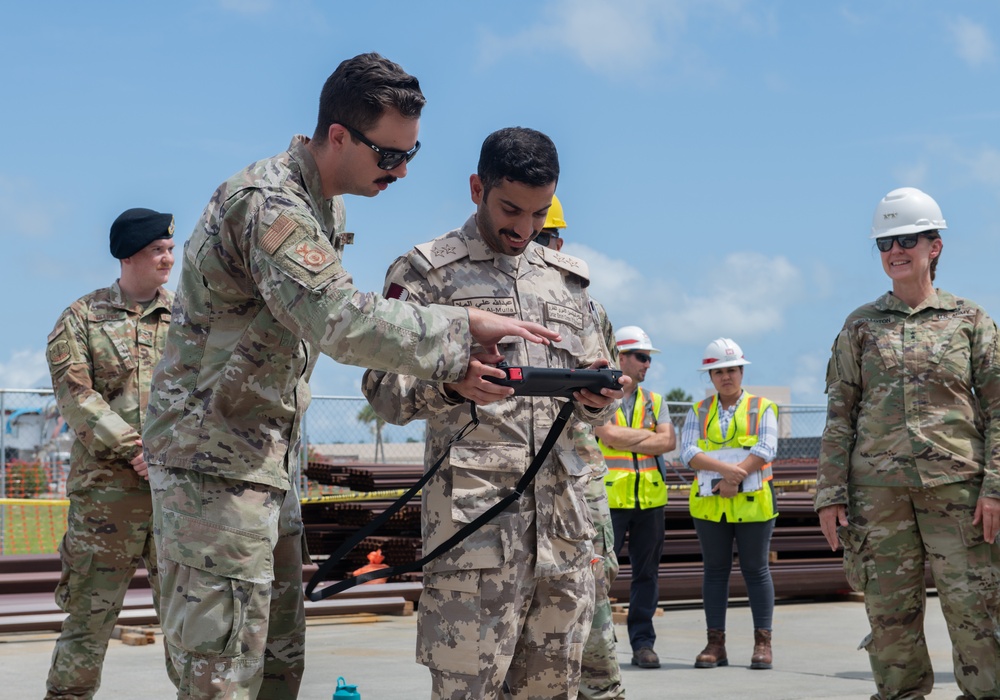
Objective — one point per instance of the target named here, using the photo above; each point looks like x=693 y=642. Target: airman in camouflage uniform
x=910 y=471
x=600 y=672
x=262 y=291
x=515 y=599
x=101 y=356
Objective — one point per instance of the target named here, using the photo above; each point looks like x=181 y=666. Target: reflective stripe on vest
x=635 y=480
x=756 y=506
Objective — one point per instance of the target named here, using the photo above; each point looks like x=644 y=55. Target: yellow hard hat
x=555 y=219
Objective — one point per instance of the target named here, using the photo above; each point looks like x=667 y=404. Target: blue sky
x=721 y=159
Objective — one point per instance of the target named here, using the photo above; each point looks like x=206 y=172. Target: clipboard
x=707 y=480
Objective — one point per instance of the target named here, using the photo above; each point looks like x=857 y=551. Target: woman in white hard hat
x=909 y=469
x=730 y=439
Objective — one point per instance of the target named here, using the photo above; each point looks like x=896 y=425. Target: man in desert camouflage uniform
x=101 y=356
x=600 y=672
x=909 y=466
x=262 y=291
x=515 y=599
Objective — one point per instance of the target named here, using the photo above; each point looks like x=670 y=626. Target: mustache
x=510 y=233
x=388 y=179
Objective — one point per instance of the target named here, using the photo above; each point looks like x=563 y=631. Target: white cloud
x=743 y=296
x=610 y=36
x=26 y=369
x=972 y=42
x=809 y=380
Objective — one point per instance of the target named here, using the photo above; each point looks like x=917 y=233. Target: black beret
x=134 y=229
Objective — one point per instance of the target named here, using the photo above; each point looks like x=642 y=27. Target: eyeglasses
x=545 y=237
x=641 y=357
x=388 y=159
x=905 y=241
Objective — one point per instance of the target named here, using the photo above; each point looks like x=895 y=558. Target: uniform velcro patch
x=397 y=291
x=279 y=232
x=310 y=256
x=564 y=314
x=58 y=352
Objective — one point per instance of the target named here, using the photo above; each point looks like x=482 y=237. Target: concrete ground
x=815 y=654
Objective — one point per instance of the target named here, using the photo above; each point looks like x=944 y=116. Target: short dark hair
x=358 y=93
x=520 y=155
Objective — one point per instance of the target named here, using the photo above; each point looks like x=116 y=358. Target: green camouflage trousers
x=892 y=532
x=601 y=676
x=231 y=574
x=108 y=536
x=478 y=627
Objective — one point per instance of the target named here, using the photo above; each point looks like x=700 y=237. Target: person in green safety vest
x=730 y=439
x=633 y=445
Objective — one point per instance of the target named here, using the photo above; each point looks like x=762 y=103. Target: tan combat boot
x=761 y=658
x=714 y=653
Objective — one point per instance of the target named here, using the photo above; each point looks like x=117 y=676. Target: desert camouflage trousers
x=892 y=532
x=477 y=628
x=231 y=574
x=601 y=676
x=108 y=536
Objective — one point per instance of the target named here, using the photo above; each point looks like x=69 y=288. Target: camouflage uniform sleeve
x=98 y=428
x=305 y=286
x=594 y=348
x=986 y=382
x=401 y=398
x=843 y=388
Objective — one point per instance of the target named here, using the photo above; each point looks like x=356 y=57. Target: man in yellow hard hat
x=601 y=677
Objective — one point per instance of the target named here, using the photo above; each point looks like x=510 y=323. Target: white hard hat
x=906 y=210
x=722 y=352
x=629 y=338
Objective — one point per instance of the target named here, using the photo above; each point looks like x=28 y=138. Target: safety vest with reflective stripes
x=752 y=507
x=635 y=480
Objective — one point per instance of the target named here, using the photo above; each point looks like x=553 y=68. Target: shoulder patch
x=310 y=256
x=443 y=251
x=566 y=262
x=58 y=352
x=279 y=232
x=56 y=331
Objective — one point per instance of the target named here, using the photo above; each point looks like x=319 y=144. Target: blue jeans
x=645 y=546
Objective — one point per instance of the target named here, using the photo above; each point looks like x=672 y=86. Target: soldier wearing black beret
x=101 y=356
x=134 y=229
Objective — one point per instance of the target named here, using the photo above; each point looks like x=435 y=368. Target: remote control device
x=546 y=381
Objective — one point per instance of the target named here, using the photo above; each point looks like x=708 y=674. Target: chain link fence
x=35 y=443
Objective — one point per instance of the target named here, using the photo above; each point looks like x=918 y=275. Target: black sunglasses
x=388 y=159
x=642 y=357
x=905 y=241
x=545 y=237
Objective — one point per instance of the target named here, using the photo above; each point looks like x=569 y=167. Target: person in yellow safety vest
x=730 y=439
x=633 y=445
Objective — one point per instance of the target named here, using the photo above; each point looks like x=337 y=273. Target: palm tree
x=367 y=415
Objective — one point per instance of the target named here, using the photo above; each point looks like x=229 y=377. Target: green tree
x=678 y=413
x=678 y=394
x=368 y=416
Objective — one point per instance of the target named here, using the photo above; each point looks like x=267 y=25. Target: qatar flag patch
x=397 y=291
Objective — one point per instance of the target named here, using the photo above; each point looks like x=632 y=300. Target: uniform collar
x=938 y=299
x=313 y=182
x=118 y=300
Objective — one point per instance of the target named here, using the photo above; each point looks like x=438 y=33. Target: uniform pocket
x=448 y=629
x=859 y=564
x=74 y=587
x=571 y=519
x=482 y=475
x=211 y=577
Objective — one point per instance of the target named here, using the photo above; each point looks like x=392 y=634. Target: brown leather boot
x=761 y=658
x=714 y=653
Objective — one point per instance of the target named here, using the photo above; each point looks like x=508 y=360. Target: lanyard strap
x=468 y=529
